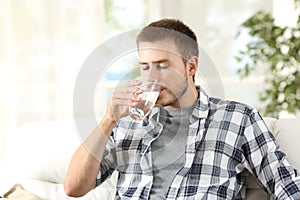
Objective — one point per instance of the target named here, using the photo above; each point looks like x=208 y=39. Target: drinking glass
x=148 y=98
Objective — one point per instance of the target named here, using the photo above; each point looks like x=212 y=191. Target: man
x=191 y=146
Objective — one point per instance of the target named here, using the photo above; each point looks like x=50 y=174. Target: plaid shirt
x=224 y=139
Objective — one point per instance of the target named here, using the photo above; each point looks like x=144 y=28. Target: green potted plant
x=278 y=49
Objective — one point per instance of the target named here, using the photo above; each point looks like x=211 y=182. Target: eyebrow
x=155 y=62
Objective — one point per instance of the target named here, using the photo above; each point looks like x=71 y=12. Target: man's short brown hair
x=174 y=30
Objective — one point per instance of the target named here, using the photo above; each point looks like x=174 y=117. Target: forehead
x=162 y=46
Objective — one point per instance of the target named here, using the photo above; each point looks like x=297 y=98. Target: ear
x=192 y=65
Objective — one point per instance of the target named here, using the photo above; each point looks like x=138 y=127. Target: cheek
x=173 y=80
x=170 y=76
x=178 y=73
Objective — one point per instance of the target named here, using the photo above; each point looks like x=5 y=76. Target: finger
x=130 y=83
x=129 y=102
x=138 y=91
x=132 y=103
x=120 y=102
x=122 y=95
x=125 y=97
x=129 y=96
x=125 y=91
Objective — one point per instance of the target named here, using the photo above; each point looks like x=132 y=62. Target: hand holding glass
x=148 y=98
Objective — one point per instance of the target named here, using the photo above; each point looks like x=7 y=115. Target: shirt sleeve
x=266 y=162
x=108 y=162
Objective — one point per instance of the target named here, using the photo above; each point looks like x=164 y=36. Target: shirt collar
x=202 y=105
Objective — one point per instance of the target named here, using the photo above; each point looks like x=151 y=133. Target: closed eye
x=162 y=66
x=159 y=65
x=144 y=66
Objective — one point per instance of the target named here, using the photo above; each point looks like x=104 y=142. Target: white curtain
x=43 y=44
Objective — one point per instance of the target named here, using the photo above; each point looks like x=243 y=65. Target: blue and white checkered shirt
x=224 y=139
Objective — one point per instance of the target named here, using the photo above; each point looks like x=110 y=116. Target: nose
x=152 y=74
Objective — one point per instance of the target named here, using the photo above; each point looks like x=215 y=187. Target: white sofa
x=38 y=155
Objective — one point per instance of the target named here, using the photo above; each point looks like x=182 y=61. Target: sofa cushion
x=55 y=191
x=40 y=151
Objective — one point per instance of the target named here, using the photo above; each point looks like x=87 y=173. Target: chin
x=166 y=101
x=166 y=98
